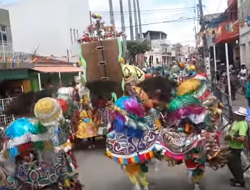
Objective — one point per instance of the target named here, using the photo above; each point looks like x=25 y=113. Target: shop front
x=57 y=76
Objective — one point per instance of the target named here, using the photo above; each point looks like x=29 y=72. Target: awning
x=13 y=74
x=57 y=69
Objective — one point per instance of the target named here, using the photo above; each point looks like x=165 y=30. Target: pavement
x=240 y=101
x=97 y=172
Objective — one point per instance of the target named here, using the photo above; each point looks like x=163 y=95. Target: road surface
x=98 y=172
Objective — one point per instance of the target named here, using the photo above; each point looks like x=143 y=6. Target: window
x=3 y=34
x=71 y=35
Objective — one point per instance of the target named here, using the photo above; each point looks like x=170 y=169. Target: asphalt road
x=97 y=172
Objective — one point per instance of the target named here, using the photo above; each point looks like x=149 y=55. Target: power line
x=162 y=22
x=219 y=6
x=151 y=10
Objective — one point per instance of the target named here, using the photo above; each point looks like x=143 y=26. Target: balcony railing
x=14 y=60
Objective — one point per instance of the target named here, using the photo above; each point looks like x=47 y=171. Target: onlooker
x=236 y=137
x=243 y=76
x=49 y=83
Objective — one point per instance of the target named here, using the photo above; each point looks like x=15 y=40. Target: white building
x=49 y=27
x=160 y=50
x=244 y=9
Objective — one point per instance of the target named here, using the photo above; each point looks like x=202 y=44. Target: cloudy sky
x=175 y=17
x=177 y=14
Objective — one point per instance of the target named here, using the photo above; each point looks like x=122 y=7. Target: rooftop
x=153 y=31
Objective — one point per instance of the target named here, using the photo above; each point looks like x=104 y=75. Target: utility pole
x=136 y=21
x=130 y=20
x=111 y=13
x=124 y=42
x=139 y=18
x=204 y=37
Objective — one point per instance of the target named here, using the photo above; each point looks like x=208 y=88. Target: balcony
x=227 y=31
x=14 y=60
x=230 y=2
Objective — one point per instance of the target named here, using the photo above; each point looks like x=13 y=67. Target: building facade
x=160 y=47
x=244 y=20
x=5 y=35
x=48 y=27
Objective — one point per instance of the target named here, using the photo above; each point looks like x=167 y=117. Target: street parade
x=142 y=117
x=87 y=105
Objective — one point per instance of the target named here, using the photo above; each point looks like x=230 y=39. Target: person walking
x=236 y=137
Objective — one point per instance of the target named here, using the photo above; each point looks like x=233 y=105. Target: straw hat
x=241 y=111
x=48 y=111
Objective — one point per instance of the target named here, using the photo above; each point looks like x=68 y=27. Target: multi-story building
x=244 y=20
x=5 y=35
x=160 y=47
x=48 y=27
x=9 y=58
x=224 y=30
x=13 y=68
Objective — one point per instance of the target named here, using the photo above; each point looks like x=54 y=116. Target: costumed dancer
x=150 y=95
x=49 y=116
x=82 y=120
x=190 y=120
x=130 y=125
x=176 y=73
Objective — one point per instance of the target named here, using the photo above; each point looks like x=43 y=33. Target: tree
x=136 y=47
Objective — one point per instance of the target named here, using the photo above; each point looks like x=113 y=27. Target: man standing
x=243 y=77
x=236 y=137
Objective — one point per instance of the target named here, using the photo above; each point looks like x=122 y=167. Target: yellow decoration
x=47 y=145
x=158 y=124
x=143 y=96
x=48 y=111
x=133 y=74
x=86 y=127
x=85 y=114
x=191 y=67
x=80 y=62
x=188 y=86
x=132 y=169
x=197 y=180
x=67 y=182
x=108 y=154
x=122 y=60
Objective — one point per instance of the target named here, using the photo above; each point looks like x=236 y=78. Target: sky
x=159 y=11
x=174 y=17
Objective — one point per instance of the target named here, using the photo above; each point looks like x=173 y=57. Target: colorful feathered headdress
x=129 y=117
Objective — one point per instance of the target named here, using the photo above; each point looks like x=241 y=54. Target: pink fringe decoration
x=186 y=111
x=134 y=107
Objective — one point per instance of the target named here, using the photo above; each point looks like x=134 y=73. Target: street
x=97 y=172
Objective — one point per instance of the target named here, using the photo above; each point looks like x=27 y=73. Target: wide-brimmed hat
x=241 y=111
